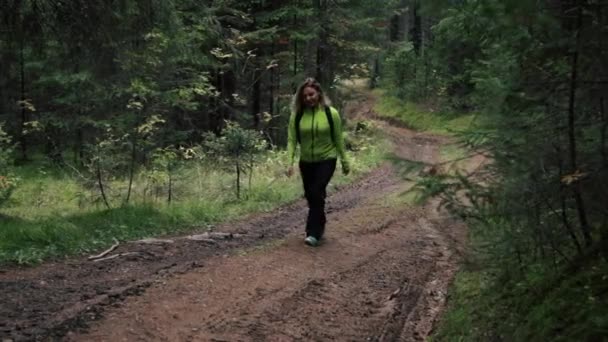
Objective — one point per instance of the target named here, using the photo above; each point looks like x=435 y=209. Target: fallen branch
x=114 y=256
x=106 y=252
x=154 y=241
x=214 y=236
x=201 y=238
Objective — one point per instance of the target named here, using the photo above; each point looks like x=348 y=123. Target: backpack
x=330 y=120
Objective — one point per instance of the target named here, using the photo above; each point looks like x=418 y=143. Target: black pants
x=315 y=177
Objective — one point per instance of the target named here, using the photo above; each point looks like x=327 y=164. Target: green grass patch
x=454 y=158
x=401 y=199
x=460 y=321
x=452 y=152
x=544 y=302
x=541 y=306
x=561 y=306
x=417 y=118
x=52 y=215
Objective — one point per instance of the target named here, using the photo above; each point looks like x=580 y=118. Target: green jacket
x=316 y=142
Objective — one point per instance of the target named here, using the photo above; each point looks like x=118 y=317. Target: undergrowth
x=51 y=215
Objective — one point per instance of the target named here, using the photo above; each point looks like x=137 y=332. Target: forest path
x=381 y=275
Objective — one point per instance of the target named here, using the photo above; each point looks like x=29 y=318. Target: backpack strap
x=330 y=120
x=299 y=115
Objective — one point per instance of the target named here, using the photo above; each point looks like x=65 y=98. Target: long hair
x=296 y=102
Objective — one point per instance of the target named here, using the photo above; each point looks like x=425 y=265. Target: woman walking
x=317 y=128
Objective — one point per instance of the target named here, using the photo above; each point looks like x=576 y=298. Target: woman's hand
x=345 y=168
x=289 y=172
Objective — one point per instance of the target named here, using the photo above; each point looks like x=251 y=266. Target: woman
x=317 y=127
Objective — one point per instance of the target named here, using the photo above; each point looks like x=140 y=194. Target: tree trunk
x=132 y=164
x=543 y=239
x=580 y=204
x=100 y=184
x=238 y=178
x=170 y=195
x=79 y=148
x=322 y=70
x=393 y=31
x=256 y=106
x=416 y=30
x=603 y=132
x=271 y=87
x=24 y=117
x=294 y=82
x=250 y=173
x=375 y=73
x=400 y=22
x=228 y=88
x=564 y=207
x=566 y=223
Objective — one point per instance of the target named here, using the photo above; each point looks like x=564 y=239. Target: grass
x=538 y=307
x=460 y=322
x=51 y=214
x=545 y=303
x=417 y=118
x=454 y=156
x=452 y=152
x=403 y=199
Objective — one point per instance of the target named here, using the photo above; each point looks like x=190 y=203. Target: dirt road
x=381 y=275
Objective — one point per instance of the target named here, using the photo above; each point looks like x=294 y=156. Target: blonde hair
x=296 y=102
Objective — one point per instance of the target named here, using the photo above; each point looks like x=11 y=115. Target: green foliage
x=110 y=103
x=195 y=64
x=238 y=149
x=417 y=117
x=539 y=306
x=114 y=154
x=467 y=305
x=161 y=171
x=8 y=181
x=410 y=74
x=529 y=71
x=67 y=221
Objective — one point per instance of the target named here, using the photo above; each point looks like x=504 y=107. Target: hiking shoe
x=311 y=241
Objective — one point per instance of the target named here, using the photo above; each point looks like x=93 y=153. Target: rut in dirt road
x=382 y=275
x=54 y=298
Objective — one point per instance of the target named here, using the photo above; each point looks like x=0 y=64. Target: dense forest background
x=73 y=66
x=121 y=94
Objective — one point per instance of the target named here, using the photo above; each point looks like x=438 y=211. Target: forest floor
x=382 y=273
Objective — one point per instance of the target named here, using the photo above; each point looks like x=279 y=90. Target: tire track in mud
x=51 y=299
x=367 y=284
x=382 y=275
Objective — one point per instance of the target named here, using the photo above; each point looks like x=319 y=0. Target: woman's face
x=310 y=96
